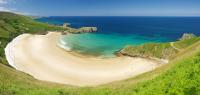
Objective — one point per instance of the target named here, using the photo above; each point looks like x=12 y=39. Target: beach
x=41 y=57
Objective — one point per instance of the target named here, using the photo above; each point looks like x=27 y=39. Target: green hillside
x=186 y=42
x=159 y=50
x=11 y=25
x=180 y=77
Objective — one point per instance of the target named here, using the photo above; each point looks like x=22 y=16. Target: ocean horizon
x=116 y=32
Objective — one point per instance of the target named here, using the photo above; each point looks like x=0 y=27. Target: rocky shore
x=83 y=30
x=80 y=30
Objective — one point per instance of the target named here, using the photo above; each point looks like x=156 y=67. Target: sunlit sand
x=40 y=56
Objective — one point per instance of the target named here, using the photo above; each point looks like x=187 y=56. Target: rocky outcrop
x=187 y=36
x=82 y=30
x=87 y=29
x=65 y=25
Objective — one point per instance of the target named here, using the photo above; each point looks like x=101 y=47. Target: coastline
x=49 y=62
x=9 y=49
x=63 y=44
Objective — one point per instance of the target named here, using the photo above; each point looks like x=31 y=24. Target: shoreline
x=9 y=50
x=49 y=62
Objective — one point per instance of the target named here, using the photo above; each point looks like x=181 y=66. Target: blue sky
x=103 y=7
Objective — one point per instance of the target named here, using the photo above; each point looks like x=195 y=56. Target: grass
x=180 y=77
x=12 y=25
x=186 y=42
x=158 y=50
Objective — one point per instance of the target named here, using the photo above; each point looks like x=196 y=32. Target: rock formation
x=82 y=30
x=187 y=36
x=65 y=25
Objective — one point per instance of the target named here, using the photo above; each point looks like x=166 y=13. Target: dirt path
x=172 y=44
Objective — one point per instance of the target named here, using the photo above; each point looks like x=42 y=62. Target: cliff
x=81 y=30
x=187 y=36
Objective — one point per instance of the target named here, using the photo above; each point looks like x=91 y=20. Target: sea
x=116 y=32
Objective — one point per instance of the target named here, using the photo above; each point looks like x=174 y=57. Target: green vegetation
x=180 y=77
x=160 y=50
x=12 y=25
x=186 y=42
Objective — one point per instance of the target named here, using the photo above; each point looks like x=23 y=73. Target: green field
x=180 y=77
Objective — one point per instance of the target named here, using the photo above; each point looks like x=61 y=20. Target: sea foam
x=63 y=44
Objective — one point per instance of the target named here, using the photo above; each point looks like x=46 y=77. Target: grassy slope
x=158 y=50
x=180 y=76
x=183 y=76
x=187 y=42
x=11 y=25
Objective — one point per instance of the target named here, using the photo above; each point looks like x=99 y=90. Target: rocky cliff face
x=87 y=29
x=65 y=25
x=82 y=30
x=187 y=36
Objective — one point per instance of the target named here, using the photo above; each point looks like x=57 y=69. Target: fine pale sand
x=39 y=56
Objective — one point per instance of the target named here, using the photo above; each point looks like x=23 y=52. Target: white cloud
x=14 y=11
x=20 y=12
x=4 y=9
x=3 y=2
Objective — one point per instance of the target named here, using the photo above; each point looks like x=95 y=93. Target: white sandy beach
x=39 y=56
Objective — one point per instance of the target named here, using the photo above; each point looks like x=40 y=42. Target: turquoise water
x=104 y=45
x=114 y=33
